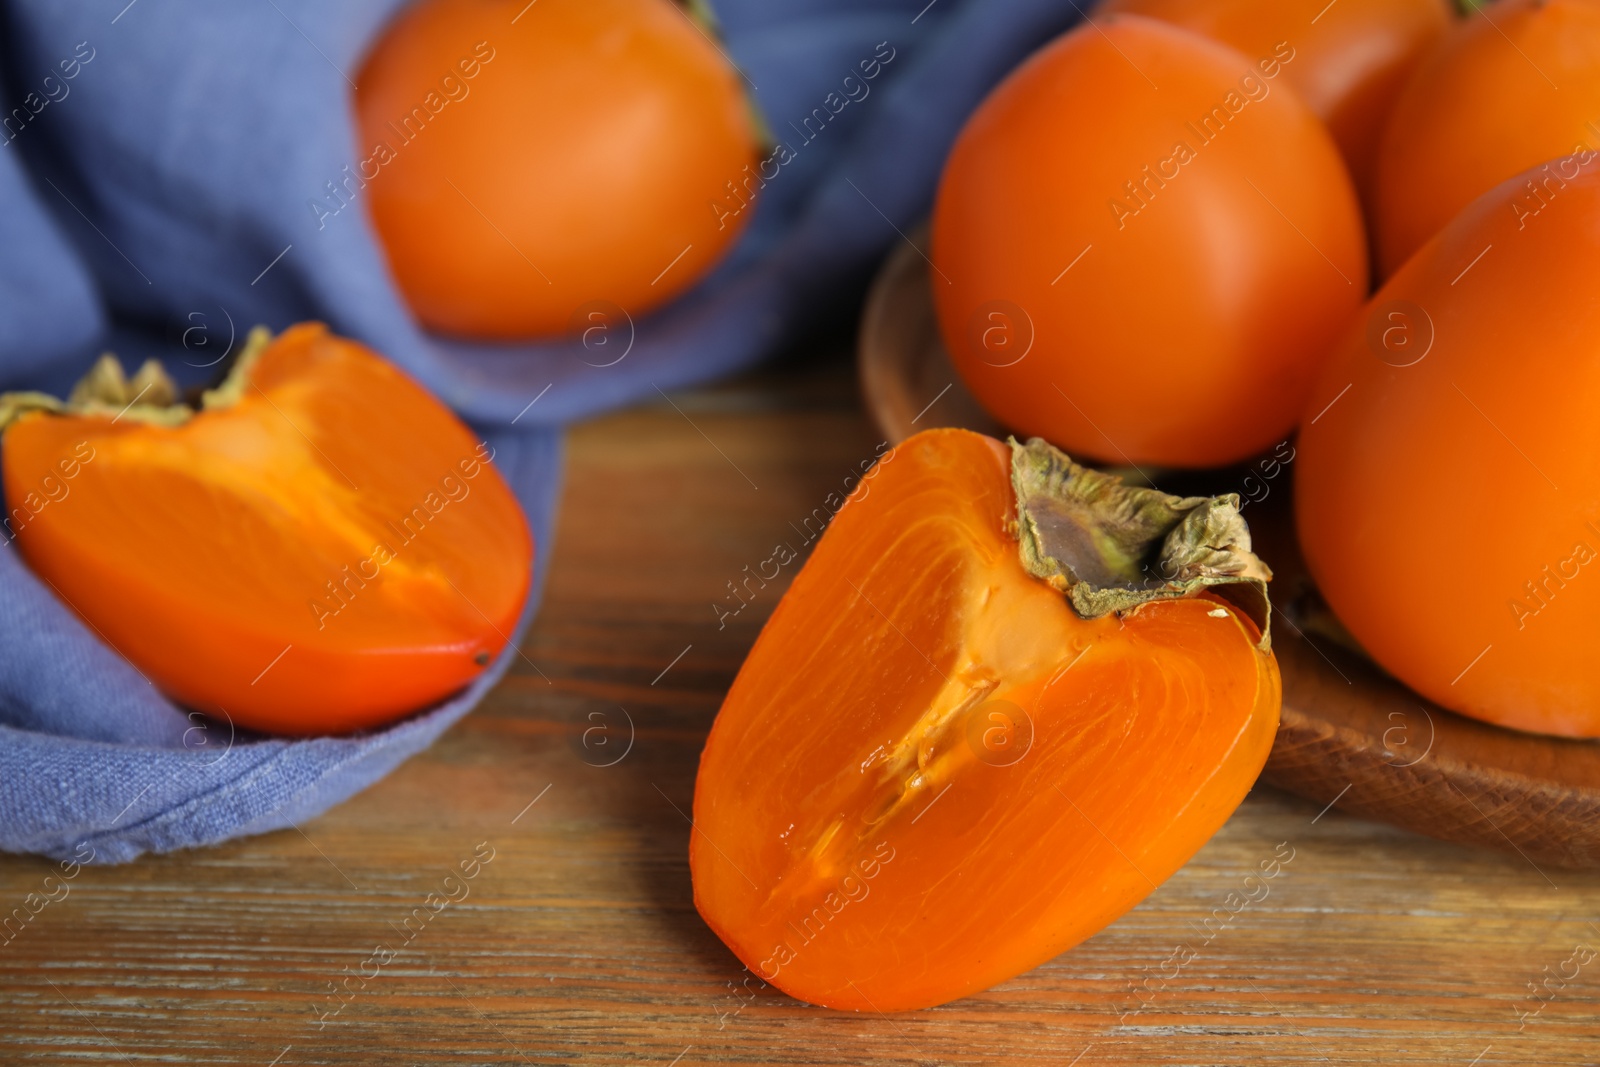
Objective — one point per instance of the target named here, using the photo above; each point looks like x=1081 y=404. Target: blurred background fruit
x=1352 y=58
x=1514 y=85
x=545 y=158
x=1144 y=243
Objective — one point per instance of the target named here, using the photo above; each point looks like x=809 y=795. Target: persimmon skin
x=590 y=149
x=233 y=560
x=853 y=847
x=1444 y=505
x=1350 y=64
x=1514 y=85
x=1187 y=334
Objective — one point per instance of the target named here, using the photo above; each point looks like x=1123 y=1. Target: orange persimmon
x=1516 y=84
x=1144 y=246
x=963 y=742
x=321 y=547
x=1448 y=477
x=523 y=161
x=1351 y=59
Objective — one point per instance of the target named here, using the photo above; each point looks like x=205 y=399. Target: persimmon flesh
x=1515 y=85
x=1448 y=477
x=524 y=161
x=325 y=548
x=932 y=774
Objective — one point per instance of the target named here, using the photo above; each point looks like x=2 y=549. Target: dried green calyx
x=150 y=396
x=1113 y=547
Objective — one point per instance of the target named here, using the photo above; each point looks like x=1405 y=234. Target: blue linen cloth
x=159 y=162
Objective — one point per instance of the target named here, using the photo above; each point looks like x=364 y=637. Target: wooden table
x=578 y=941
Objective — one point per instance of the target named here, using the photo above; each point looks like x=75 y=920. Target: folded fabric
x=165 y=171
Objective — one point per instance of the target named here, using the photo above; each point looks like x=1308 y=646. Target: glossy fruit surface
x=324 y=549
x=1145 y=246
x=931 y=774
x=1448 y=477
x=522 y=161
x=1352 y=57
x=1516 y=84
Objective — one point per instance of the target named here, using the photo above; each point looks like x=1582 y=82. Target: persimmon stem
x=1112 y=547
x=150 y=396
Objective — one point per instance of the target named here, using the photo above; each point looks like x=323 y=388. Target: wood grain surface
x=578 y=942
x=1349 y=732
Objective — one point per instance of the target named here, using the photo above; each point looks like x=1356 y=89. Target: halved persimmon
x=321 y=547
x=1004 y=699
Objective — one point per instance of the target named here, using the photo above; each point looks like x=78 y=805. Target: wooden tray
x=1351 y=736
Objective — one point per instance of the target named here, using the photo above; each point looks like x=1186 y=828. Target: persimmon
x=524 y=161
x=321 y=546
x=1001 y=701
x=1448 y=478
x=1352 y=58
x=1514 y=85
x=1144 y=274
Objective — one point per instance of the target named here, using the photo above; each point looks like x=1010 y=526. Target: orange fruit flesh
x=875 y=827
x=315 y=558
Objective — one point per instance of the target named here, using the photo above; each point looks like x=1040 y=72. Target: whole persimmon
x=1004 y=699
x=1352 y=58
x=1448 y=476
x=1516 y=84
x=1144 y=243
x=524 y=161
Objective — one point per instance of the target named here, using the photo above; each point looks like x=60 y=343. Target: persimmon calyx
x=1112 y=547
x=150 y=396
x=704 y=19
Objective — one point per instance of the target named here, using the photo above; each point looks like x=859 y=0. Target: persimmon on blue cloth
x=321 y=547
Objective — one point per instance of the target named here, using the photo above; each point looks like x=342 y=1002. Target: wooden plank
x=578 y=941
